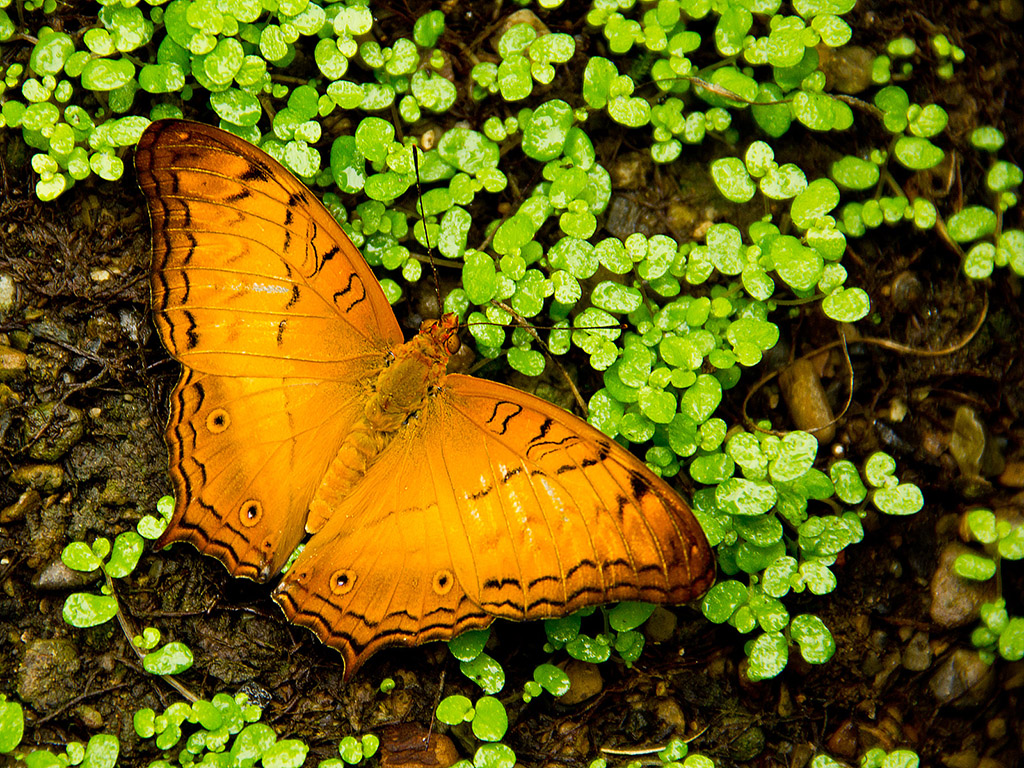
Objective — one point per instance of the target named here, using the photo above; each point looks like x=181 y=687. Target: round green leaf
x=172 y=659
x=84 y=610
x=490 y=721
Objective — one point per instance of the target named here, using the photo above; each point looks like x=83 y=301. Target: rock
x=13 y=363
x=8 y=296
x=47 y=677
x=410 y=745
x=52 y=429
x=843 y=740
x=956 y=601
x=1013 y=474
x=28 y=503
x=917 y=656
x=808 y=405
x=42 y=477
x=56 y=576
x=670 y=713
x=962 y=680
x=584 y=681
x=975 y=453
x=90 y=717
x=660 y=626
x=847 y=69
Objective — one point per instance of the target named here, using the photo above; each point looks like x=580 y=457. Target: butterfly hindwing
x=492 y=503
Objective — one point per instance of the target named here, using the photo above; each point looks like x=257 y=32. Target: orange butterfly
x=435 y=502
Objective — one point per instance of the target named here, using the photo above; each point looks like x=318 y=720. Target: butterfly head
x=443 y=332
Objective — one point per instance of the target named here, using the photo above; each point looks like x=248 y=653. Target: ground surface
x=81 y=426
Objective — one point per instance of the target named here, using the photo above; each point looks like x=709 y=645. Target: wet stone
x=410 y=745
x=963 y=680
x=660 y=626
x=57 y=576
x=13 y=363
x=42 y=477
x=917 y=656
x=8 y=296
x=29 y=502
x=956 y=601
x=54 y=428
x=585 y=681
x=47 y=677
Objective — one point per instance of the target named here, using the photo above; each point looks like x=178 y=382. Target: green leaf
x=494 y=756
x=767 y=656
x=629 y=615
x=468 y=150
x=848 y=485
x=82 y=609
x=490 y=721
x=101 y=751
x=904 y=499
x=12 y=725
x=731 y=177
x=588 y=649
x=1011 y=641
x=469 y=645
x=971 y=223
x=125 y=555
x=454 y=710
x=796 y=454
x=107 y=74
x=816 y=643
x=739 y=496
x=916 y=153
x=847 y=305
x=50 y=53
x=485 y=672
x=78 y=556
x=172 y=659
x=817 y=200
x=975 y=567
x=988 y=138
x=252 y=743
x=854 y=173
x=546 y=132
x=286 y=753
x=554 y=680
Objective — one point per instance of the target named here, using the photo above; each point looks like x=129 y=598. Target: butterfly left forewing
x=250 y=271
x=492 y=503
x=279 y=324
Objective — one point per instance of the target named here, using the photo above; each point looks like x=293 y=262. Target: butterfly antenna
x=423 y=218
x=521 y=322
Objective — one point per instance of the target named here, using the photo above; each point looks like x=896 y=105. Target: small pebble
x=410 y=745
x=660 y=626
x=962 y=680
x=585 y=681
x=57 y=576
x=917 y=656
x=46 y=676
x=13 y=363
x=956 y=601
x=807 y=402
x=42 y=477
x=28 y=503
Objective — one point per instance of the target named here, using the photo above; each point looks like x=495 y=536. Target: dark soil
x=80 y=439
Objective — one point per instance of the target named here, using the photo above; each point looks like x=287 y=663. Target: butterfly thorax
x=412 y=372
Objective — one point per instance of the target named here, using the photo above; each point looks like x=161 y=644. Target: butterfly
x=431 y=503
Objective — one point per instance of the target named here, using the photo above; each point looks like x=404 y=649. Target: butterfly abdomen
x=402 y=389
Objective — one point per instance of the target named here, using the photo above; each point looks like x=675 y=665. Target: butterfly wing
x=491 y=503
x=279 y=323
